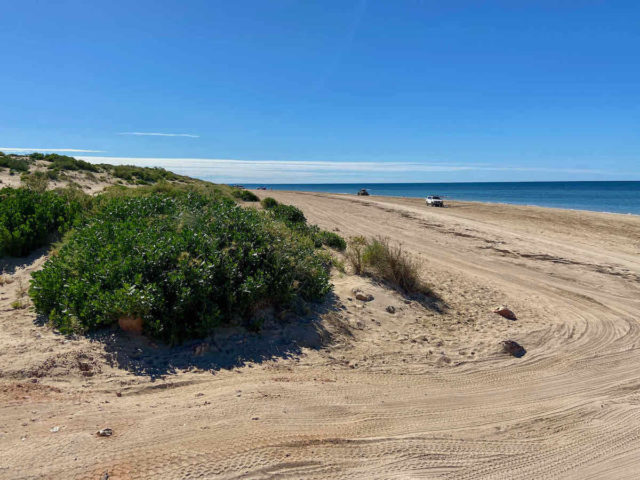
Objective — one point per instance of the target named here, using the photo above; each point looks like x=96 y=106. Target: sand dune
x=423 y=393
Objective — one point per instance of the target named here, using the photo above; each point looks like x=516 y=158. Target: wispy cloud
x=293 y=171
x=24 y=149
x=158 y=134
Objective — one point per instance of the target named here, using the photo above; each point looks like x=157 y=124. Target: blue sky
x=325 y=91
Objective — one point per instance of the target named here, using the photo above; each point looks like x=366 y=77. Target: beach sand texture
x=425 y=392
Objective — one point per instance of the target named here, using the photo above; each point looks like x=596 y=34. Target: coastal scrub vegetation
x=244 y=195
x=64 y=162
x=182 y=262
x=177 y=254
x=29 y=218
x=268 y=202
x=36 y=181
x=139 y=175
x=294 y=218
x=56 y=164
x=14 y=164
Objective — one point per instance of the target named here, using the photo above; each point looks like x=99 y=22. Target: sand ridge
x=422 y=393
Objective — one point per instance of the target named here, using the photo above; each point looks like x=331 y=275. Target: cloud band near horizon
x=24 y=149
x=292 y=171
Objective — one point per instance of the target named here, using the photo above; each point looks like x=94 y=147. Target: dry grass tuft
x=387 y=261
x=354 y=253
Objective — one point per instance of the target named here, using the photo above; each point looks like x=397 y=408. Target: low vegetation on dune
x=54 y=167
x=387 y=261
x=244 y=195
x=140 y=175
x=178 y=256
x=268 y=202
x=14 y=164
x=64 y=162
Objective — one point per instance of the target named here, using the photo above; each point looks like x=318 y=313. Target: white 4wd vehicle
x=434 y=201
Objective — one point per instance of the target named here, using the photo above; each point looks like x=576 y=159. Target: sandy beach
x=425 y=392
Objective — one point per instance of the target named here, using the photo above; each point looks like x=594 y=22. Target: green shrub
x=288 y=214
x=133 y=174
x=331 y=240
x=28 y=219
x=268 y=203
x=64 y=162
x=184 y=262
x=17 y=164
x=294 y=218
x=245 y=195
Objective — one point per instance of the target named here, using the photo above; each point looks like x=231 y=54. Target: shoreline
x=449 y=201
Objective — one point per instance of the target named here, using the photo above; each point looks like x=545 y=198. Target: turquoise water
x=618 y=197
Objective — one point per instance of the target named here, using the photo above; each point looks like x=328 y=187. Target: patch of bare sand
x=425 y=392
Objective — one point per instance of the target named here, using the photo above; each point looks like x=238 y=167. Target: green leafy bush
x=64 y=162
x=147 y=175
x=331 y=240
x=183 y=262
x=294 y=218
x=29 y=218
x=268 y=202
x=288 y=214
x=12 y=163
x=244 y=195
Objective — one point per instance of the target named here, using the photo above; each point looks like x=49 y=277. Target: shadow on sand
x=228 y=347
x=10 y=265
x=429 y=300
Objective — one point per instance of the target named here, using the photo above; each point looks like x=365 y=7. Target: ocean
x=615 y=197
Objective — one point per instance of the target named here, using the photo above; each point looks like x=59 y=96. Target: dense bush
x=64 y=162
x=29 y=218
x=182 y=262
x=244 y=195
x=12 y=163
x=294 y=218
x=268 y=202
x=140 y=175
x=288 y=214
x=331 y=240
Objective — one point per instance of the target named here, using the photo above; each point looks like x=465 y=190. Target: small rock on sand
x=105 y=432
x=505 y=312
x=130 y=324
x=363 y=297
x=514 y=348
x=391 y=309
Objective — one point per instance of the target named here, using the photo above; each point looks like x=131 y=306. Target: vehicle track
x=378 y=405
